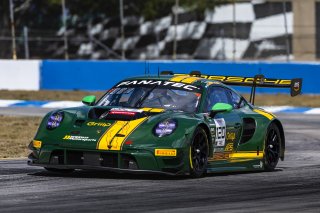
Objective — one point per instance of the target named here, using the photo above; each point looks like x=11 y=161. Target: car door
x=225 y=127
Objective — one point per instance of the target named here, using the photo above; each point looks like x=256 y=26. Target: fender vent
x=249 y=127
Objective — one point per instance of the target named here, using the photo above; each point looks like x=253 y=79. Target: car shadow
x=241 y=173
x=130 y=176
x=108 y=175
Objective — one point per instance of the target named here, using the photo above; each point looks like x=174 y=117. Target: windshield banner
x=164 y=84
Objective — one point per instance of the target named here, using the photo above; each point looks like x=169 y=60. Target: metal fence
x=239 y=31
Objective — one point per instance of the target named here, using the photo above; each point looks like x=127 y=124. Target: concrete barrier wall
x=20 y=75
x=101 y=75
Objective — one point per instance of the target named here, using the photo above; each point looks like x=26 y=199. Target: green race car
x=174 y=124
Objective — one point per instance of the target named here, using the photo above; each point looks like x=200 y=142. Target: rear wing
x=295 y=85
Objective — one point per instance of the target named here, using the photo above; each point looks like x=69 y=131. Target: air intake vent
x=249 y=127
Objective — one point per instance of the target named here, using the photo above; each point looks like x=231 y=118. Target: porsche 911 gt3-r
x=171 y=124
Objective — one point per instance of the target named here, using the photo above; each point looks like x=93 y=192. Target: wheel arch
x=207 y=130
x=282 y=145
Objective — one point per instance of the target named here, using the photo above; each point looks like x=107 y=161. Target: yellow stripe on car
x=264 y=113
x=109 y=134
x=179 y=78
x=246 y=155
x=116 y=135
x=185 y=79
x=146 y=109
x=190 y=158
x=157 y=110
x=152 y=109
x=190 y=80
x=127 y=130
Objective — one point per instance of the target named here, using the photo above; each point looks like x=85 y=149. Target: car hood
x=106 y=128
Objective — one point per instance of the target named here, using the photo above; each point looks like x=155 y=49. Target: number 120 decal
x=220 y=132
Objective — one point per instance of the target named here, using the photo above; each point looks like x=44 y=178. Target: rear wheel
x=199 y=153
x=272 y=148
x=64 y=171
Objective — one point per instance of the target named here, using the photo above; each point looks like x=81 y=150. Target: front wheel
x=199 y=153
x=272 y=148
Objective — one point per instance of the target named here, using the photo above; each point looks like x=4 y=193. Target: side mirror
x=89 y=100
x=220 y=107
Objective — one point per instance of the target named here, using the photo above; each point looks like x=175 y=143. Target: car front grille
x=92 y=158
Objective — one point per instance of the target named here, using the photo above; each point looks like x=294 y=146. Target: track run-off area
x=293 y=187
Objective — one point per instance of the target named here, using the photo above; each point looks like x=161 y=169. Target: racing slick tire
x=199 y=150
x=272 y=147
x=62 y=171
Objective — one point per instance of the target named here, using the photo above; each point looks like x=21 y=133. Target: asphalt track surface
x=293 y=187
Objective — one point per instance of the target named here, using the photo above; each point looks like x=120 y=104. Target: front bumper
x=100 y=168
x=129 y=161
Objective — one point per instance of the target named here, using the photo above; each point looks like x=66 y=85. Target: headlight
x=165 y=127
x=54 y=120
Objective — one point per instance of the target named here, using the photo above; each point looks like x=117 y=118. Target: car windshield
x=153 y=97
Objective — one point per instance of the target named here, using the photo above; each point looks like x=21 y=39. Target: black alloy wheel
x=199 y=153
x=272 y=148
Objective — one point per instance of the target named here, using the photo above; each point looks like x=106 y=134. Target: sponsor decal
x=260 y=166
x=165 y=152
x=231 y=136
x=213 y=131
x=100 y=124
x=220 y=156
x=78 y=138
x=170 y=84
x=220 y=138
x=229 y=147
x=237 y=79
x=296 y=86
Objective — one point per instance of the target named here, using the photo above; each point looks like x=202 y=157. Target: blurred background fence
x=150 y=29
